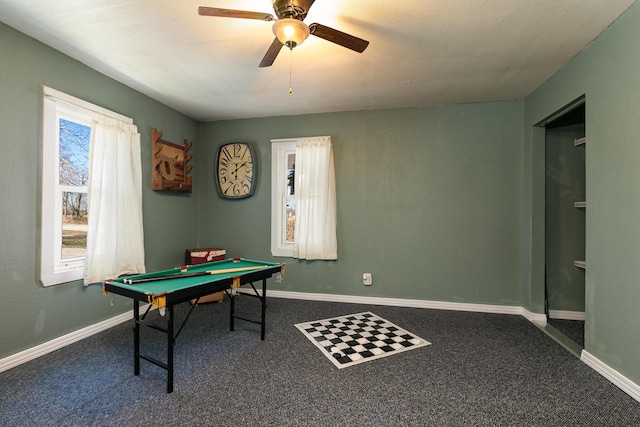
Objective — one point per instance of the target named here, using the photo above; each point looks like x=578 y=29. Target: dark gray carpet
x=480 y=370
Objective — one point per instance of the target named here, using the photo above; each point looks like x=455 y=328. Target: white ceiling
x=421 y=52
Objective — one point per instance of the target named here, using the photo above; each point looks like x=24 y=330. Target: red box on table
x=200 y=256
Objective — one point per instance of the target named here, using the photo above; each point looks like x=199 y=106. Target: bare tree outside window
x=74 y=179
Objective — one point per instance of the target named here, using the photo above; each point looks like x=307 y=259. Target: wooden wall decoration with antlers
x=169 y=168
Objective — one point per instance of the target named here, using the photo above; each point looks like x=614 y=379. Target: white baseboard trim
x=538 y=318
x=401 y=302
x=412 y=303
x=624 y=383
x=566 y=315
x=63 y=341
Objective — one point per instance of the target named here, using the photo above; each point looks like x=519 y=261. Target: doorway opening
x=565 y=224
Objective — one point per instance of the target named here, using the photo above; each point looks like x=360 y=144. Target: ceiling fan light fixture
x=291 y=32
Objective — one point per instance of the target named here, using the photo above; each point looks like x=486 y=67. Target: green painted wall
x=607 y=72
x=29 y=313
x=428 y=201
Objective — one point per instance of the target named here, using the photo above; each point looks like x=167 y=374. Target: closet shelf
x=580 y=264
x=580 y=141
x=579 y=204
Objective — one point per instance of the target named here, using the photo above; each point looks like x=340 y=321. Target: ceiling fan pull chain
x=290 y=67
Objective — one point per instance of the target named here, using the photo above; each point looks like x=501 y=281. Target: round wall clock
x=236 y=170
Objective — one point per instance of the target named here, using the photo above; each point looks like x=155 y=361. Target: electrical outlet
x=366 y=279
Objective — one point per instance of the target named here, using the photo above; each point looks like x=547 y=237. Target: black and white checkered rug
x=356 y=338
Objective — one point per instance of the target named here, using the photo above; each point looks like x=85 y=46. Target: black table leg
x=232 y=309
x=263 y=299
x=136 y=337
x=170 y=344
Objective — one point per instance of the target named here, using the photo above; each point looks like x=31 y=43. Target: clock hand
x=238 y=167
x=235 y=172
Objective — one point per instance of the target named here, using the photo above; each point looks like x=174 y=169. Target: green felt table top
x=220 y=270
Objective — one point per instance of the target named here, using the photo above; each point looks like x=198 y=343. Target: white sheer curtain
x=115 y=241
x=315 y=228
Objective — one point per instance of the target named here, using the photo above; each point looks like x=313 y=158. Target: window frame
x=53 y=269
x=280 y=150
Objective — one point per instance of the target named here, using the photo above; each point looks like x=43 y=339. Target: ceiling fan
x=288 y=27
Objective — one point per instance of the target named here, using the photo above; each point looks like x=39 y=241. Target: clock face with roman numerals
x=235 y=170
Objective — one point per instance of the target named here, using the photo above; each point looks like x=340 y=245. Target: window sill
x=57 y=278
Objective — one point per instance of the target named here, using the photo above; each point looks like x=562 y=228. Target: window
x=68 y=129
x=65 y=175
x=283 y=202
x=303 y=198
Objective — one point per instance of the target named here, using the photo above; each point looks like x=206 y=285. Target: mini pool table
x=164 y=289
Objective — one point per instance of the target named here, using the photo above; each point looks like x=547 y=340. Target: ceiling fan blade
x=338 y=37
x=272 y=53
x=231 y=13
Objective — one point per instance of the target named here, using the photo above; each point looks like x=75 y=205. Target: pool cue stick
x=192 y=274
